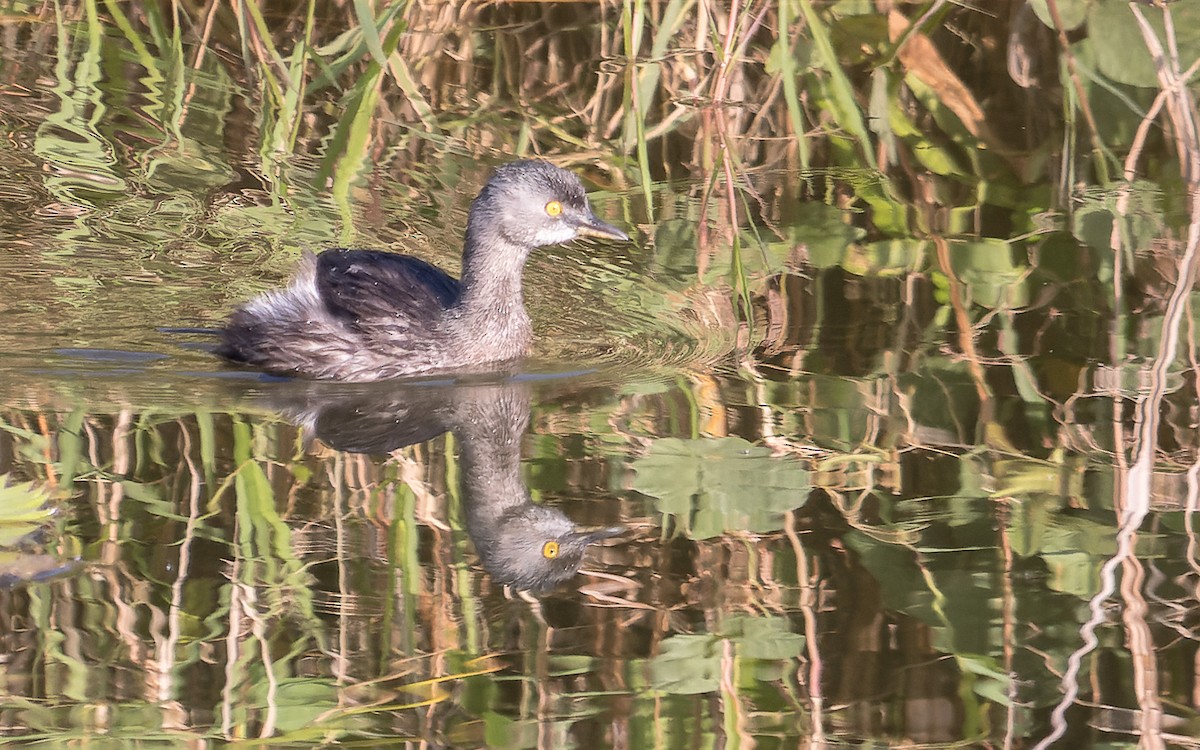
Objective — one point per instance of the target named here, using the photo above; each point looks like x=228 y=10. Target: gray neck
x=492 y=263
x=492 y=269
x=491 y=306
x=490 y=424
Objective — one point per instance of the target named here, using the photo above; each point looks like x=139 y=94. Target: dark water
x=785 y=472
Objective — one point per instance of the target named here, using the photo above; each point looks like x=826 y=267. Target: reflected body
x=521 y=544
x=362 y=315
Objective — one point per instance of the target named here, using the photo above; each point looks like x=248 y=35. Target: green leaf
x=366 y=19
x=1120 y=49
x=687 y=665
x=822 y=231
x=766 y=638
x=994 y=270
x=837 y=88
x=715 y=485
x=1071 y=12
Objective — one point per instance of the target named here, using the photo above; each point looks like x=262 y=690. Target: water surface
x=832 y=454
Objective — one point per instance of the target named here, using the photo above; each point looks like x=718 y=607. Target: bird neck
x=491 y=272
x=489 y=319
x=490 y=423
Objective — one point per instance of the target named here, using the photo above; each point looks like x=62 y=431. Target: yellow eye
x=550 y=549
x=553 y=208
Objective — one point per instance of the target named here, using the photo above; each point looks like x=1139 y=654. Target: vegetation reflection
x=896 y=401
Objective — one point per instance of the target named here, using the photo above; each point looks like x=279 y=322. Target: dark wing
x=351 y=428
x=370 y=289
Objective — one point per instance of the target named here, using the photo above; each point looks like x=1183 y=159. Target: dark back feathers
x=365 y=286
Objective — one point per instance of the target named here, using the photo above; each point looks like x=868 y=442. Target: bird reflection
x=525 y=546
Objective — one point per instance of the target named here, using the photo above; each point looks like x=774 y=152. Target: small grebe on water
x=363 y=315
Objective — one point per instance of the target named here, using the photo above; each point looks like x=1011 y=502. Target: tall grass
x=726 y=94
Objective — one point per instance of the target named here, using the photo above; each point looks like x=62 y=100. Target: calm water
x=784 y=472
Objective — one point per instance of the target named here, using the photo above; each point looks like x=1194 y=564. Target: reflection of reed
x=318 y=562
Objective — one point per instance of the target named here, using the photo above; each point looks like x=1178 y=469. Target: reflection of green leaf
x=1093 y=221
x=23 y=566
x=298 y=702
x=718 y=485
x=691 y=664
x=838 y=412
x=22 y=502
x=992 y=682
x=1121 y=52
x=265 y=552
x=1062 y=258
x=1074 y=550
x=22 y=510
x=948 y=589
x=766 y=638
x=11 y=534
x=823 y=233
x=687 y=665
x=1028 y=521
x=562 y=665
x=1093 y=225
x=1070 y=12
x=1021 y=476
x=813 y=231
x=944 y=399
x=887 y=257
x=502 y=731
x=674 y=245
x=1074 y=573
x=993 y=269
x=957 y=602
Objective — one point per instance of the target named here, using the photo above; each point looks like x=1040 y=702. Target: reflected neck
x=490 y=425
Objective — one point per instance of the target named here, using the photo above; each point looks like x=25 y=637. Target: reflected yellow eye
x=553 y=208
x=550 y=549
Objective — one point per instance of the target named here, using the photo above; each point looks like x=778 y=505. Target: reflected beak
x=590 y=226
x=597 y=535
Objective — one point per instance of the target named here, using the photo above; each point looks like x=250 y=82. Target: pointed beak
x=590 y=226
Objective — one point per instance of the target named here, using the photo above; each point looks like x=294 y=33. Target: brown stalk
x=809 y=604
x=966 y=335
x=1139 y=480
x=1076 y=81
x=1135 y=488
